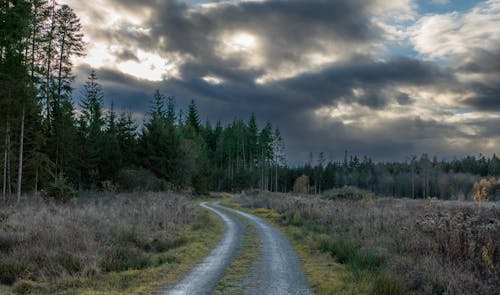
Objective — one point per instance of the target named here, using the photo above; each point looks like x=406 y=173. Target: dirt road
x=277 y=271
x=203 y=278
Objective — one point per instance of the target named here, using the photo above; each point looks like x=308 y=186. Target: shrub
x=141 y=180
x=347 y=192
x=120 y=258
x=388 y=285
x=486 y=189
x=343 y=250
x=293 y=218
x=60 y=190
x=10 y=270
x=301 y=184
x=109 y=187
x=7 y=241
x=27 y=287
x=202 y=220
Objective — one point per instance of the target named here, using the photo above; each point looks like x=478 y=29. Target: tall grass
x=89 y=236
x=435 y=247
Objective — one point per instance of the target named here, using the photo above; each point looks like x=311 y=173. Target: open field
x=390 y=246
x=113 y=245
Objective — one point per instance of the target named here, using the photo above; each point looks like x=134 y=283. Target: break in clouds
x=381 y=78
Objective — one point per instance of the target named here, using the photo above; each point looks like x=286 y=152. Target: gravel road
x=203 y=278
x=277 y=271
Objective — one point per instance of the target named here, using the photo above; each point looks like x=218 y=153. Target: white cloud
x=444 y=35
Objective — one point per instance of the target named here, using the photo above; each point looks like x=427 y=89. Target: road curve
x=278 y=270
x=203 y=278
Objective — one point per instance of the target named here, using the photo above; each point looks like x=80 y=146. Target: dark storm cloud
x=126 y=55
x=337 y=82
x=486 y=64
x=281 y=21
x=287 y=32
x=486 y=98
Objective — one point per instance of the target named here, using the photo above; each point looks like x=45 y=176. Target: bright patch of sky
x=425 y=8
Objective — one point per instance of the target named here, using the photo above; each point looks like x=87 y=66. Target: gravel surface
x=203 y=278
x=277 y=271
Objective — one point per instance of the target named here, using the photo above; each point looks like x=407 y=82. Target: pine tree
x=91 y=130
x=193 y=119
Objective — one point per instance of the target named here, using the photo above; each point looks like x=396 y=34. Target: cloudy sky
x=381 y=78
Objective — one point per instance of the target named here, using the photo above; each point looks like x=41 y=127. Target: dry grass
x=434 y=247
x=87 y=237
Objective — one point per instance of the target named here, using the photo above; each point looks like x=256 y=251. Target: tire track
x=278 y=270
x=203 y=278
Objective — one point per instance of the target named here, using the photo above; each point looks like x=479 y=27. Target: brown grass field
x=45 y=244
x=415 y=246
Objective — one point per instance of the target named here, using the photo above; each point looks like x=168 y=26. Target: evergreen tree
x=91 y=130
x=193 y=119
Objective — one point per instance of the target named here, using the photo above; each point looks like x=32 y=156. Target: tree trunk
x=5 y=161
x=20 y=167
x=276 y=179
x=36 y=181
x=49 y=61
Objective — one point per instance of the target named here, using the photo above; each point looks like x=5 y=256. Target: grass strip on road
x=234 y=279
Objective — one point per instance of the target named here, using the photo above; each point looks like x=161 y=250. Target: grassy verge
x=142 y=258
x=237 y=272
x=201 y=238
x=331 y=266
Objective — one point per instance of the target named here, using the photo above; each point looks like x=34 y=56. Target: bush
x=342 y=249
x=141 y=180
x=159 y=245
x=487 y=189
x=7 y=241
x=124 y=258
x=27 y=287
x=347 y=192
x=388 y=285
x=60 y=190
x=10 y=270
x=301 y=185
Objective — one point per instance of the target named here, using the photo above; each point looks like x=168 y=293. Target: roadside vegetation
x=128 y=243
x=389 y=246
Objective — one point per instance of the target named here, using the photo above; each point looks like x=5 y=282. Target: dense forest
x=53 y=135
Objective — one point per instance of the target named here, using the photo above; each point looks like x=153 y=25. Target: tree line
x=47 y=138
x=417 y=177
x=37 y=41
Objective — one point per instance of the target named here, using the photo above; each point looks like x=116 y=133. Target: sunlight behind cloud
x=98 y=55
x=243 y=41
x=213 y=80
x=150 y=67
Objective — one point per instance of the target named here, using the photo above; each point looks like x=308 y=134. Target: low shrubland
x=48 y=241
x=398 y=246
